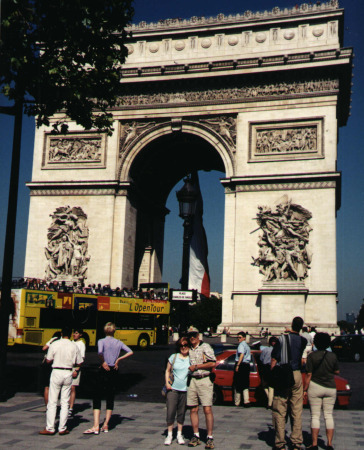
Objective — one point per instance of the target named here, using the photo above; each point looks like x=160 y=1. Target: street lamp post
x=186 y=197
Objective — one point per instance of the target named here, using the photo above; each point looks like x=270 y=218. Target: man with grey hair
x=201 y=388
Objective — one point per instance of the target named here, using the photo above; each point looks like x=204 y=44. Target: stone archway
x=154 y=161
x=262 y=95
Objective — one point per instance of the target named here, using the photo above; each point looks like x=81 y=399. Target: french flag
x=198 y=276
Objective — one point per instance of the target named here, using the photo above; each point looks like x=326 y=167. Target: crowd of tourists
x=189 y=381
x=81 y=288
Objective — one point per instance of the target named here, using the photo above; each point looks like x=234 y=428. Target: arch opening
x=154 y=172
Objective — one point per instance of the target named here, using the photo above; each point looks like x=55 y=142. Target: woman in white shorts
x=320 y=387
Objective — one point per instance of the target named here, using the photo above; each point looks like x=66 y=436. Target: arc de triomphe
x=257 y=96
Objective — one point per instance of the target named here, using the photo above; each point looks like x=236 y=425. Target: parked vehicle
x=349 y=346
x=224 y=370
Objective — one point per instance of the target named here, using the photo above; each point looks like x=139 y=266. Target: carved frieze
x=74 y=150
x=225 y=126
x=67 y=249
x=129 y=131
x=283 y=244
x=286 y=140
x=230 y=93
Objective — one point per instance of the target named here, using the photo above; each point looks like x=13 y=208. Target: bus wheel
x=143 y=341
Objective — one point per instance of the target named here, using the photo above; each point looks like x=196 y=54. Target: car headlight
x=347 y=387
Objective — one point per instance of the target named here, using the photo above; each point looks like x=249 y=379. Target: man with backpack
x=288 y=390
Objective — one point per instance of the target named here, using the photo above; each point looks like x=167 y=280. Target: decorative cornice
x=287 y=186
x=282 y=182
x=236 y=64
x=247 y=16
x=72 y=188
x=258 y=292
x=73 y=192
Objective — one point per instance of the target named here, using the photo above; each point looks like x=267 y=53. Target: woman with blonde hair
x=109 y=350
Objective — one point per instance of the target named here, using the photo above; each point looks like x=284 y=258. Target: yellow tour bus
x=38 y=315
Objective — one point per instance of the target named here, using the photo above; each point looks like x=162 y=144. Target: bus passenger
x=77 y=335
x=109 y=350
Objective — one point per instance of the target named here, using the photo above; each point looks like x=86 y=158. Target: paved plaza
x=137 y=425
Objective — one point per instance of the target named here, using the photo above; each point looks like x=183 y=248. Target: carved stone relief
x=286 y=140
x=225 y=127
x=67 y=249
x=231 y=93
x=283 y=245
x=74 y=150
x=129 y=131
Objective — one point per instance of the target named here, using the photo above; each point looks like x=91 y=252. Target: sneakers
x=194 y=442
x=180 y=439
x=70 y=413
x=210 y=443
x=168 y=440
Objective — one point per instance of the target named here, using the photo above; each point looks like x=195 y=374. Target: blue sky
x=350 y=218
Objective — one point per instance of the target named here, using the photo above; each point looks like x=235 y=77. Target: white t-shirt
x=81 y=348
x=64 y=354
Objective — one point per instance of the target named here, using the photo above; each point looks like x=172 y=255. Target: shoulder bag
x=171 y=378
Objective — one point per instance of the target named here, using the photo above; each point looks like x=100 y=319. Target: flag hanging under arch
x=198 y=276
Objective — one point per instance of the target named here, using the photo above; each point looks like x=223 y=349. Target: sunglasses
x=184 y=345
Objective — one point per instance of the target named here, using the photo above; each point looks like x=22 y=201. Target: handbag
x=170 y=379
x=282 y=375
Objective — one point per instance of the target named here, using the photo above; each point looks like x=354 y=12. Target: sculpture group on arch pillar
x=66 y=252
x=283 y=246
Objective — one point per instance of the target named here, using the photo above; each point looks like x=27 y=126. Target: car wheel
x=356 y=356
x=217 y=396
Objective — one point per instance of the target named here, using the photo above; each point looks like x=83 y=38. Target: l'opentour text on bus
x=38 y=315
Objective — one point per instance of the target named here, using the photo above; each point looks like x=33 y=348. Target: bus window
x=55 y=318
x=145 y=322
x=103 y=318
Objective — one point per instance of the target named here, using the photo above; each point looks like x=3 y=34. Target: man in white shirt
x=77 y=335
x=65 y=356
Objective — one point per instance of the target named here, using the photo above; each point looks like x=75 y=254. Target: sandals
x=92 y=431
x=105 y=429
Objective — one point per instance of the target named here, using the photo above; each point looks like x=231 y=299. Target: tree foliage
x=64 y=55
x=203 y=314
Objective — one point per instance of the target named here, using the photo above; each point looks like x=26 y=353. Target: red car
x=224 y=370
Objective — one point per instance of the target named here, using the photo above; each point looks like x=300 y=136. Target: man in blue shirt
x=290 y=395
x=242 y=371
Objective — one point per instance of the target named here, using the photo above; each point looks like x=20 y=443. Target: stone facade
x=258 y=96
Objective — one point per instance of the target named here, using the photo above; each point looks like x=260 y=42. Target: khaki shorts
x=76 y=381
x=200 y=389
